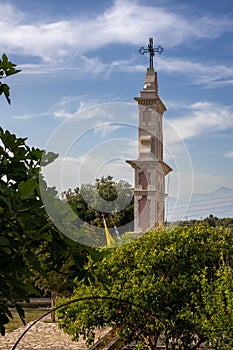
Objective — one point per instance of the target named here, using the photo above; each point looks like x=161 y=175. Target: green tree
x=161 y=274
x=7 y=68
x=22 y=222
x=32 y=250
x=211 y=220
x=113 y=199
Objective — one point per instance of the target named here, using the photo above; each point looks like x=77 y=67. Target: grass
x=30 y=315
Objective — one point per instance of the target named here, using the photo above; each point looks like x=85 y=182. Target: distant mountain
x=218 y=203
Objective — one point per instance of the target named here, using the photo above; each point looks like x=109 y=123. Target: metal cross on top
x=151 y=51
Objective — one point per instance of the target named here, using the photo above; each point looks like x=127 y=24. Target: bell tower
x=149 y=168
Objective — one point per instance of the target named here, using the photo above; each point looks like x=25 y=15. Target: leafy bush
x=176 y=276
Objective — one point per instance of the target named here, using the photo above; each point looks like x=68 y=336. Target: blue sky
x=81 y=70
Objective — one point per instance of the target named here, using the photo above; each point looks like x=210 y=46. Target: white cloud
x=81 y=107
x=62 y=114
x=88 y=67
x=67 y=46
x=24 y=117
x=212 y=75
x=104 y=129
x=54 y=41
x=101 y=115
x=200 y=118
x=209 y=75
x=229 y=154
x=31 y=115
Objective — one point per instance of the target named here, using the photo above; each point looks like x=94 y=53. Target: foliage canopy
x=34 y=255
x=179 y=274
x=106 y=197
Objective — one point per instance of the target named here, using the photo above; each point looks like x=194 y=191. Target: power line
x=187 y=213
x=201 y=200
x=201 y=205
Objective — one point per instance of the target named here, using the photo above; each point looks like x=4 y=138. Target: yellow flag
x=109 y=238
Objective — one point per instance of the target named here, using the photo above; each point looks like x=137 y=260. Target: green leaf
x=7 y=66
x=27 y=188
x=3 y=320
x=6 y=200
x=38 y=236
x=6 y=250
x=48 y=158
x=4 y=241
x=4 y=88
x=21 y=313
x=36 y=153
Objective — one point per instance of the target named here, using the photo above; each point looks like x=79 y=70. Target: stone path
x=43 y=336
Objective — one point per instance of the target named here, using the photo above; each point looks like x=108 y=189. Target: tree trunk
x=53 y=302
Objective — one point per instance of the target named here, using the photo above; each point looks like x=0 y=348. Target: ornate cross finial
x=151 y=50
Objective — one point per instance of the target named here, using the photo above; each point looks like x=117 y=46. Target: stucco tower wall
x=149 y=167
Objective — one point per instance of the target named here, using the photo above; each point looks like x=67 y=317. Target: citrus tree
x=166 y=281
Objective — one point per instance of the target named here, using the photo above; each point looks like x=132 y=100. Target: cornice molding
x=152 y=102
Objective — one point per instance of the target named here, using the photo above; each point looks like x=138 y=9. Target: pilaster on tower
x=149 y=168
